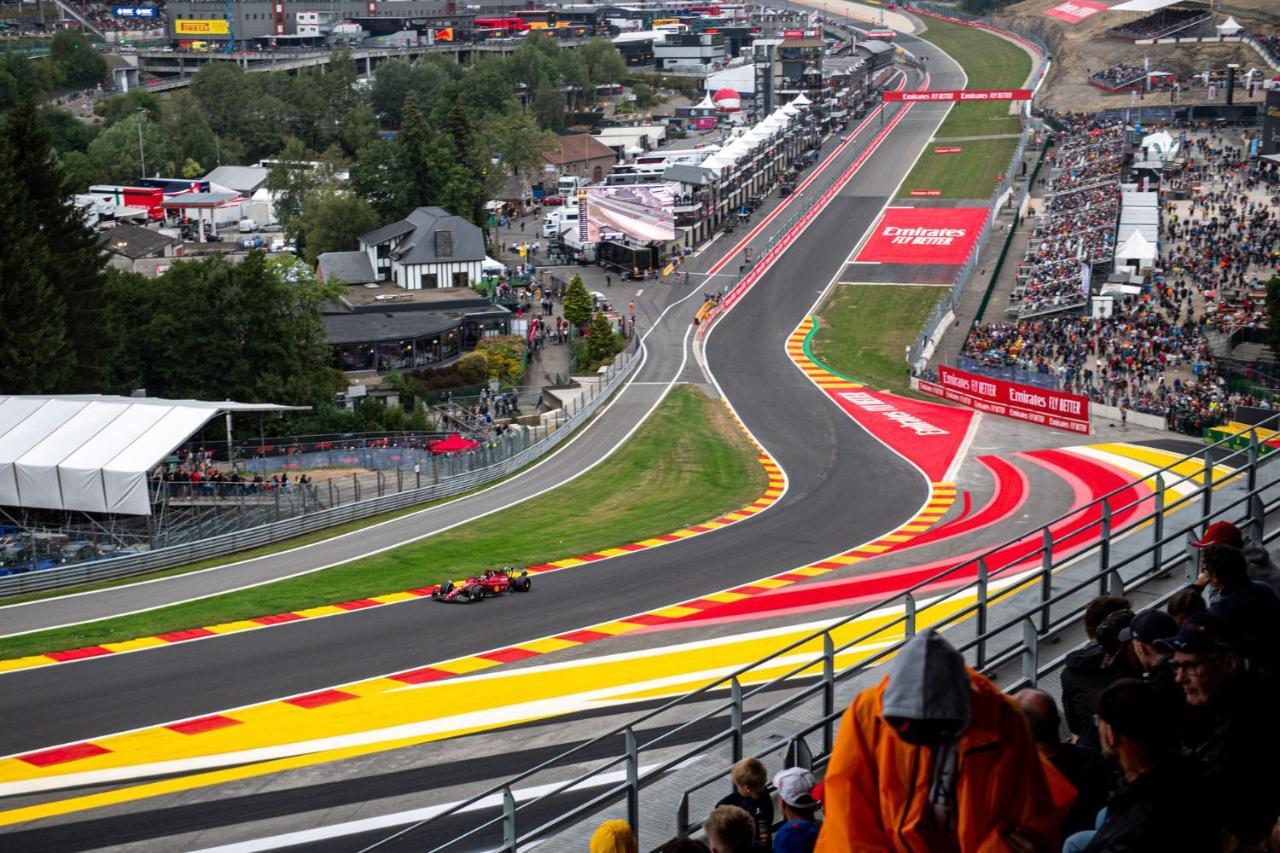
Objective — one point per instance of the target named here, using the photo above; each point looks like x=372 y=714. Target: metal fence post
x=1046 y=576
x=1206 y=500
x=1030 y=652
x=276 y=494
x=982 y=612
x=735 y=717
x=1253 y=464
x=909 y=612
x=399 y=479
x=828 y=690
x=508 y=820
x=1104 y=548
x=633 y=778
x=1157 y=550
x=682 y=816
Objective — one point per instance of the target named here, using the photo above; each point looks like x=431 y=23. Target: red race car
x=492 y=582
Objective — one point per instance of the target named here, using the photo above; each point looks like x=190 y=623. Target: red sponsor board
x=926 y=193
x=948 y=149
x=927 y=434
x=1075 y=11
x=924 y=235
x=961 y=95
x=1028 y=403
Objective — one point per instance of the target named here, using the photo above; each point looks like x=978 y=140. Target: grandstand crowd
x=1077 y=223
x=1118 y=76
x=1162 y=738
x=1152 y=354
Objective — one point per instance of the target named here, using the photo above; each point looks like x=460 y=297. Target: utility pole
x=142 y=153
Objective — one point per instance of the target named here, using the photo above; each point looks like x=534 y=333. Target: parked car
x=552 y=201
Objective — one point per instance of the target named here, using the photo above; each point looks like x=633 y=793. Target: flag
x=444 y=35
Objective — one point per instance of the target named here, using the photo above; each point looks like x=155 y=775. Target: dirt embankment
x=1080 y=50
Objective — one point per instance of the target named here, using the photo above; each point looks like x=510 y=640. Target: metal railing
x=379 y=493
x=1000 y=607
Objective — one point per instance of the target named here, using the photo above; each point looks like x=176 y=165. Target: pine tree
x=76 y=270
x=577 y=303
x=602 y=340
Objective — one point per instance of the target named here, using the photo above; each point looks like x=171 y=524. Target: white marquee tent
x=93 y=453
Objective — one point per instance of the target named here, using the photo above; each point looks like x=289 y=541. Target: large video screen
x=642 y=212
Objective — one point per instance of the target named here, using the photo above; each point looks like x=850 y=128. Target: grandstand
x=1166 y=21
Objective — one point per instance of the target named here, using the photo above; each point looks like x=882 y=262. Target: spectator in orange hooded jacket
x=937 y=760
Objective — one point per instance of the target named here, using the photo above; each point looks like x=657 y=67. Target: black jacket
x=761 y=811
x=1151 y=815
x=1086 y=673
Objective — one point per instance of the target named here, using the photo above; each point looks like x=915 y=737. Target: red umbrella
x=453 y=444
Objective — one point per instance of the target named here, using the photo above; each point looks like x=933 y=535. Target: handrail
x=1165 y=480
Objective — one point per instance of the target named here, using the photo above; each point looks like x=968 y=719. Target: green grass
x=990 y=63
x=864 y=330
x=972 y=173
x=689 y=462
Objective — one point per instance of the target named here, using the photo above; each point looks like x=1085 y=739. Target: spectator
x=896 y=782
x=1252 y=607
x=1088 y=671
x=1149 y=811
x=1099 y=609
x=1083 y=768
x=750 y=781
x=729 y=829
x=684 y=845
x=800 y=826
x=1185 y=603
x=1260 y=565
x=1145 y=633
x=614 y=836
x=1228 y=726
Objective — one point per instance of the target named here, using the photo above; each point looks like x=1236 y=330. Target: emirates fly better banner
x=946 y=95
x=924 y=235
x=1055 y=409
x=1075 y=11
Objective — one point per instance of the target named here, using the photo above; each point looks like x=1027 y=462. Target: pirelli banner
x=211 y=27
x=1028 y=403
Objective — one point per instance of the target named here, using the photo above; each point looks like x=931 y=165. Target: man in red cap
x=1261 y=567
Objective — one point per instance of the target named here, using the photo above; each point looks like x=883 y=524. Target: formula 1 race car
x=492 y=582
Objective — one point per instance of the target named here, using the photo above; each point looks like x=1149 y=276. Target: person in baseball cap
x=1143 y=634
x=1221 y=533
x=799 y=830
x=1257 y=559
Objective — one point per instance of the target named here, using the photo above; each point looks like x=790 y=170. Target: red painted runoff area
x=928 y=435
x=924 y=235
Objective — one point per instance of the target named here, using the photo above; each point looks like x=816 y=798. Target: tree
x=189 y=135
x=67 y=132
x=603 y=341
x=118 y=155
x=223 y=92
x=644 y=95
x=51 y=267
x=548 y=107
x=331 y=221
x=604 y=63
x=260 y=337
x=577 y=303
x=120 y=107
x=77 y=64
x=377 y=178
x=291 y=178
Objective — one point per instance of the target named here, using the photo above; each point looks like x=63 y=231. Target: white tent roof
x=800 y=100
x=705 y=104
x=1136 y=248
x=1229 y=27
x=490 y=265
x=1144 y=5
x=93 y=453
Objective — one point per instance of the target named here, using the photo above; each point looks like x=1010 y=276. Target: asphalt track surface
x=844 y=488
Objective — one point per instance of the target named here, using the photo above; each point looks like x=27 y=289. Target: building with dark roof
x=129 y=244
x=581 y=155
x=429 y=249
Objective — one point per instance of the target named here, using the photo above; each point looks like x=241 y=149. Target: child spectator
x=729 y=829
x=749 y=783
x=800 y=827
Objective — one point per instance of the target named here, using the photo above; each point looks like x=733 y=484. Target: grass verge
x=990 y=63
x=689 y=462
x=863 y=331
x=974 y=172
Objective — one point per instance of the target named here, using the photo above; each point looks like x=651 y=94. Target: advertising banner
x=944 y=95
x=924 y=235
x=1042 y=406
x=135 y=12
x=1075 y=11
x=948 y=149
x=926 y=193
x=200 y=28
x=643 y=212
